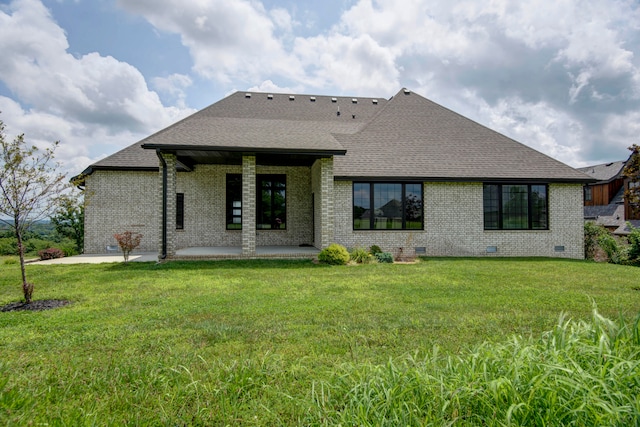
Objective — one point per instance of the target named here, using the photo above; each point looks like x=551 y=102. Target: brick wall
x=117 y=201
x=205 y=207
x=453 y=225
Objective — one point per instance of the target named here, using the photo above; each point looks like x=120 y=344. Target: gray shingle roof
x=417 y=138
x=606 y=171
x=406 y=137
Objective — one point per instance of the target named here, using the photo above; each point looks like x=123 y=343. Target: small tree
x=128 y=241
x=68 y=218
x=632 y=172
x=28 y=179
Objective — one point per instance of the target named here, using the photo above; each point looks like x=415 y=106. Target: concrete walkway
x=195 y=253
x=100 y=258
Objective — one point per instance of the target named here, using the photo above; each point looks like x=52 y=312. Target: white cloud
x=228 y=40
x=174 y=86
x=85 y=102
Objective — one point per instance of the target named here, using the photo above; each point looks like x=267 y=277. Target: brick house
x=406 y=174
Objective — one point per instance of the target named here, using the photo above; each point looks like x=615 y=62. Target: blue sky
x=562 y=77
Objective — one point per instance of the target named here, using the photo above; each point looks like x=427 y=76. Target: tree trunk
x=27 y=288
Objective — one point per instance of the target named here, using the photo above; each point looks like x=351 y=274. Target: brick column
x=249 y=205
x=170 y=160
x=326 y=201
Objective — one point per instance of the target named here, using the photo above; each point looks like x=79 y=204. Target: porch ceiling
x=190 y=158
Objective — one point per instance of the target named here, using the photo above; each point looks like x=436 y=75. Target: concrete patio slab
x=195 y=253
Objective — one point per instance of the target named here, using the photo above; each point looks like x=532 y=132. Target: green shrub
x=384 y=257
x=592 y=233
x=634 y=243
x=33 y=246
x=8 y=246
x=334 y=254
x=360 y=255
x=375 y=249
x=611 y=247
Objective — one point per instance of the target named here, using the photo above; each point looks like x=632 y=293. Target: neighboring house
x=603 y=199
x=406 y=174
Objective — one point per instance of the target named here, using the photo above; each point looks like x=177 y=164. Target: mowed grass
x=266 y=342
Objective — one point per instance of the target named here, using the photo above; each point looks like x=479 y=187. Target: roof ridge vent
x=270 y=96
x=334 y=99
x=292 y=97
x=354 y=100
x=312 y=99
x=374 y=101
x=247 y=95
x=407 y=91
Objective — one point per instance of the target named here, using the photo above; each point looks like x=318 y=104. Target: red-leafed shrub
x=50 y=253
x=128 y=241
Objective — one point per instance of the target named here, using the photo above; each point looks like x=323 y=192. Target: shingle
x=406 y=136
x=414 y=137
x=606 y=171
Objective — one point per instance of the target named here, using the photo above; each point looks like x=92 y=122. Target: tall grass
x=580 y=373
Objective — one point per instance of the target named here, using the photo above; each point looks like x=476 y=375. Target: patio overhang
x=188 y=156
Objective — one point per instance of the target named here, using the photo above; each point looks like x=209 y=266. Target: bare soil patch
x=38 y=305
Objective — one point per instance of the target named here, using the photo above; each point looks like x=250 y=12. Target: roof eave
x=248 y=150
x=462 y=179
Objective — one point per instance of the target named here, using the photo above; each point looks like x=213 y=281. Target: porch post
x=167 y=246
x=249 y=205
x=326 y=202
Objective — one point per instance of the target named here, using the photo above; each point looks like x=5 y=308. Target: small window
x=234 y=201
x=180 y=211
x=588 y=193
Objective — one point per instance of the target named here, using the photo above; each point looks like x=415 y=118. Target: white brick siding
x=117 y=201
x=453 y=225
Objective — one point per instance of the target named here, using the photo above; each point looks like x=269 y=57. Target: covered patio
x=235 y=252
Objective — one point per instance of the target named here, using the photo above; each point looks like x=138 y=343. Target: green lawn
x=251 y=342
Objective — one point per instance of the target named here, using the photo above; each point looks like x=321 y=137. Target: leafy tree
x=28 y=179
x=632 y=171
x=68 y=218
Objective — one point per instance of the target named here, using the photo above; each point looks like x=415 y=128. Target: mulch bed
x=38 y=305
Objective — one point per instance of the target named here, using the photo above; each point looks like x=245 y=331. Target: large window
x=515 y=207
x=387 y=206
x=271 y=212
x=271 y=208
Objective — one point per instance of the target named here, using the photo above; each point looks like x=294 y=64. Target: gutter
x=163 y=254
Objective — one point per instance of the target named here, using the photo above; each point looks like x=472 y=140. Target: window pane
x=180 y=211
x=387 y=199
x=361 y=206
x=272 y=203
x=491 y=198
x=539 y=217
x=413 y=206
x=234 y=201
x=515 y=207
